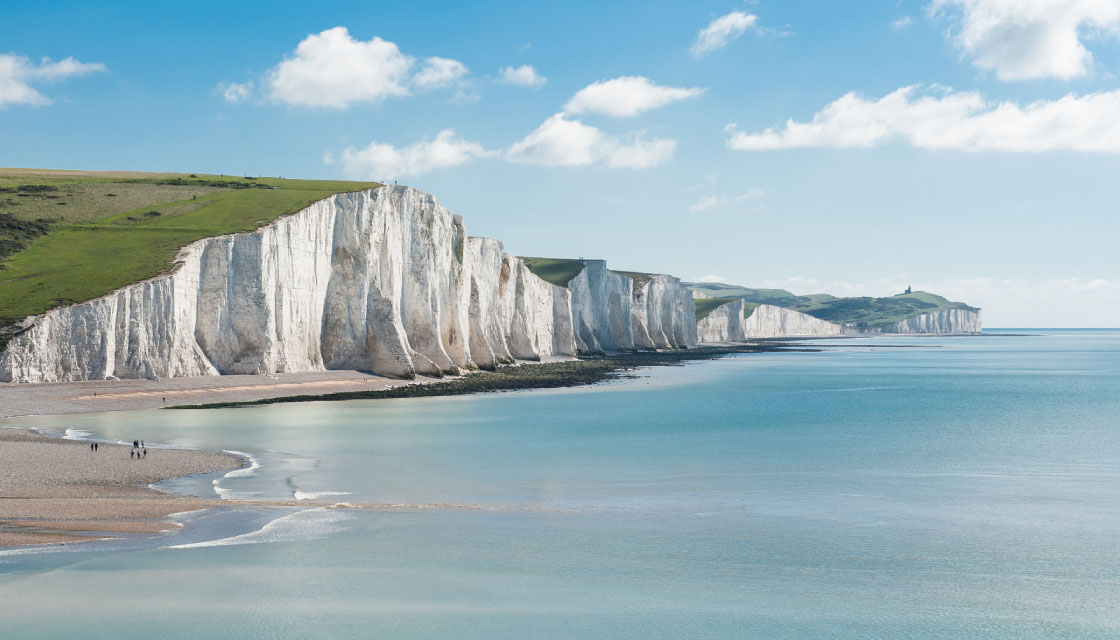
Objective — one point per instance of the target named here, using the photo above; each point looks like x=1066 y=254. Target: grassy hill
x=70 y=236
x=558 y=271
x=705 y=306
x=862 y=311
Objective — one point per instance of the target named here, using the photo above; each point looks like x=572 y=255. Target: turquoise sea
x=948 y=488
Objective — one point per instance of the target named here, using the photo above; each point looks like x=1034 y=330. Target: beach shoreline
x=54 y=490
x=58 y=398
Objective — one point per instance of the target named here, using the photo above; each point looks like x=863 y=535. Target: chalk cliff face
x=662 y=314
x=727 y=324
x=769 y=321
x=384 y=280
x=612 y=312
x=944 y=322
x=722 y=324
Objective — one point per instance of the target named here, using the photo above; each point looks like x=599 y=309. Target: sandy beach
x=54 y=490
x=125 y=395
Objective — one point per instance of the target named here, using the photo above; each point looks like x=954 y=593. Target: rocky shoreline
x=586 y=370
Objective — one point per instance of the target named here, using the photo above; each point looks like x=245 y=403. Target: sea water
x=964 y=487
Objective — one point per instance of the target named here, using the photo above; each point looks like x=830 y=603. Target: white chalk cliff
x=611 y=311
x=384 y=280
x=726 y=323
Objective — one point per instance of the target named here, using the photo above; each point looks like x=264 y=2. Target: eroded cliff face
x=612 y=312
x=662 y=314
x=769 y=321
x=385 y=280
x=727 y=324
x=722 y=324
x=944 y=322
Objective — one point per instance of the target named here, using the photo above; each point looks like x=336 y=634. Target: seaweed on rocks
x=547 y=375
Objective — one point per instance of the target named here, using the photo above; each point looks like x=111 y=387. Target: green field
x=558 y=271
x=70 y=236
x=862 y=312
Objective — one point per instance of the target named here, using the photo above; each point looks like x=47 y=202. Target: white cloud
x=328 y=157
x=713 y=278
x=902 y=23
x=333 y=70
x=1027 y=39
x=962 y=121
x=713 y=202
x=637 y=152
x=525 y=76
x=626 y=96
x=234 y=92
x=721 y=31
x=383 y=161
x=439 y=72
x=18 y=73
x=560 y=142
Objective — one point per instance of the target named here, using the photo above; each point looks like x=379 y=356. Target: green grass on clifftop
x=558 y=271
x=862 y=312
x=70 y=236
x=705 y=306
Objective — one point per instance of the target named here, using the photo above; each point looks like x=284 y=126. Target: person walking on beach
x=96 y=446
x=145 y=453
x=91 y=446
x=131 y=452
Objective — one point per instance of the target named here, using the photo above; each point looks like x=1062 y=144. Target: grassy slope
x=705 y=306
x=865 y=311
x=96 y=243
x=558 y=271
x=640 y=279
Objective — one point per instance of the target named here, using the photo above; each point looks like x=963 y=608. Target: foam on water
x=76 y=434
x=308 y=524
x=244 y=472
x=315 y=495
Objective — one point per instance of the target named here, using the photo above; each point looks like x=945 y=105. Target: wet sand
x=54 y=490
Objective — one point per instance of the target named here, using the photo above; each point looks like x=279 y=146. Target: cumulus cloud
x=525 y=76
x=234 y=92
x=947 y=119
x=332 y=70
x=18 y=74
x=1028 y=39
x=560 y=142
x=383 y=161
x=626 y=96
x=439 y=72
x=719 y=202
x=721 y=32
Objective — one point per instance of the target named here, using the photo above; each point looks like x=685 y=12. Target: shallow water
x=961 y=488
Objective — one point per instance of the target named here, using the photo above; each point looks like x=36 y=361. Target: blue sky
x=968 y=147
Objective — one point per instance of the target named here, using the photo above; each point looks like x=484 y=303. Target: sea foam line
x=245 y=472
x=308 y=524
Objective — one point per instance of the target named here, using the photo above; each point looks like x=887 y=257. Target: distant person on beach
x=145 y=453
x=131 y=452
x=96 y=446
x=91 y=446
